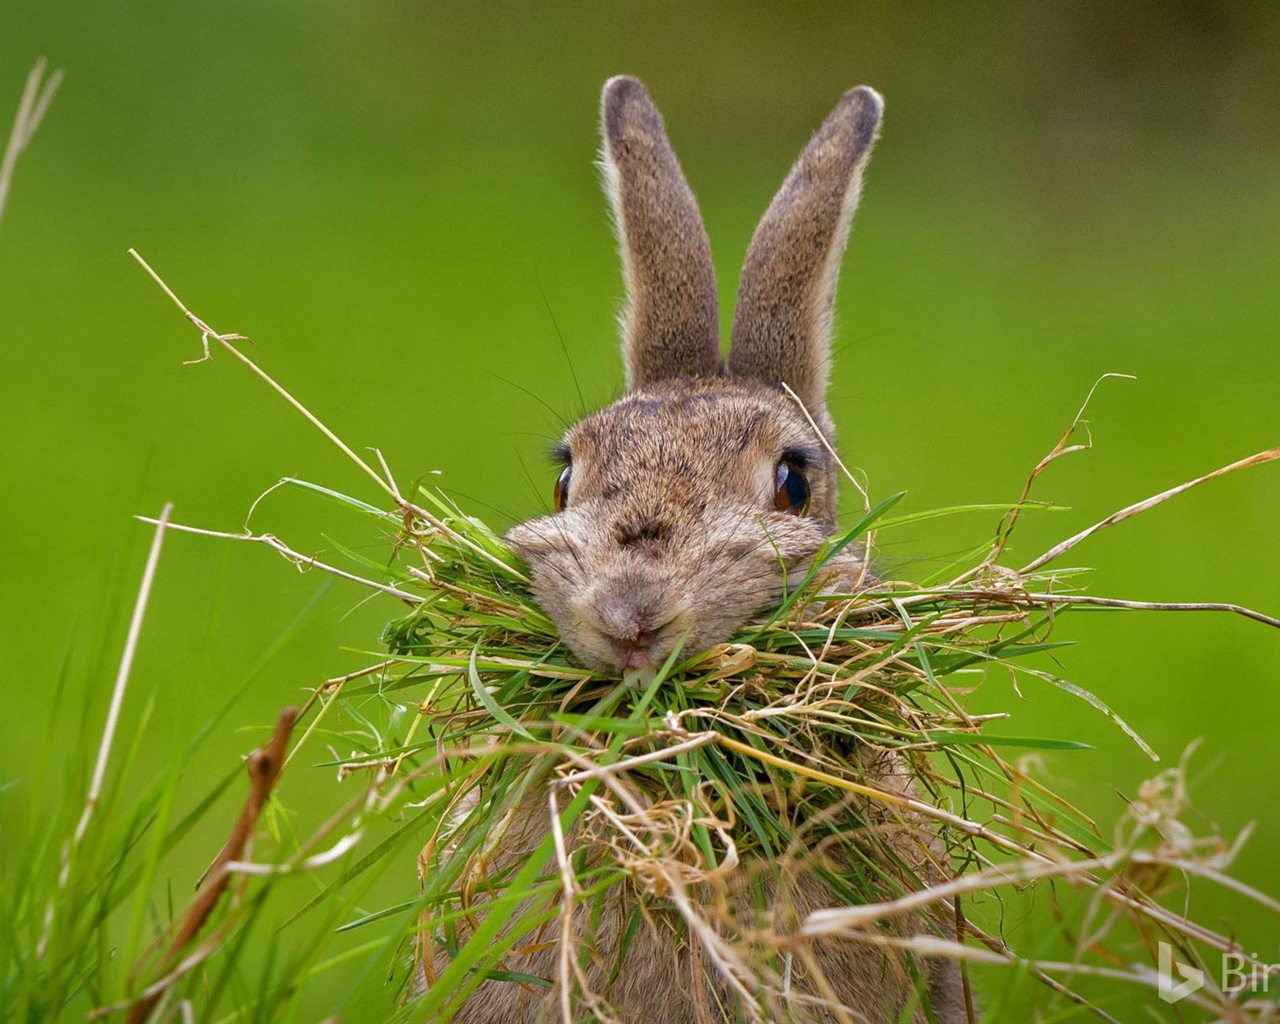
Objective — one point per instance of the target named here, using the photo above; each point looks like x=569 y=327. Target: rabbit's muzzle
x=631 y=622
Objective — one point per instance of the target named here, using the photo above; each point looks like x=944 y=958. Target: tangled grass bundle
x=758 y=746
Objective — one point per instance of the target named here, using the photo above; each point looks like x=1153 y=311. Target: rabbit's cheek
x=535 y=540
x=592 y=648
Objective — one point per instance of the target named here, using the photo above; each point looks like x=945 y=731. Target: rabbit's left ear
x=782 y=323
x=671 y=325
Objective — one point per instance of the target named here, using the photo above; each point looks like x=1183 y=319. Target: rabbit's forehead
x=690 y=429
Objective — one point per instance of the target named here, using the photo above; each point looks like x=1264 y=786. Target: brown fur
x=782 y=323
x=671 y=324
x=671 y=537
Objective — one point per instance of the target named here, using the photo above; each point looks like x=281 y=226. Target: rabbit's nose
x=635 y=619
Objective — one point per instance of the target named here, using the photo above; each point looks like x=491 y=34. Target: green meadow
x=397 y=202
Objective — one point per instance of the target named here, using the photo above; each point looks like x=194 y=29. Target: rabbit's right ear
x=670 y=327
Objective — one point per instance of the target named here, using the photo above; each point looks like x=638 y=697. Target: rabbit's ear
x=670 y=327
x=782 y=322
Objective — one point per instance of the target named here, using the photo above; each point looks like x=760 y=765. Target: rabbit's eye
x=562 y=489
x=791 y=489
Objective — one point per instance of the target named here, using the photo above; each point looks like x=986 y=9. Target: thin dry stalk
x=303 y=562
x=113 y=717
x=37 y=94
x=1130 y=511
x=410 y=511
x=122 y=673
x=1063 y=447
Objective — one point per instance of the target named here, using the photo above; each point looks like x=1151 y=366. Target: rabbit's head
x=685 y=506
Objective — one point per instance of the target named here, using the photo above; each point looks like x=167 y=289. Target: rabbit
x=676 y=505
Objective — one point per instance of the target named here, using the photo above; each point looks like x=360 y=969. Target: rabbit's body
x=666 y=977
x=682 y=510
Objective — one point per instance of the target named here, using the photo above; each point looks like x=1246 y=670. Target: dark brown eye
x=562 y=488
x=791 y=489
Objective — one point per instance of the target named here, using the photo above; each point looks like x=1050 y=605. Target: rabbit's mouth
x=615 y=656
x=615 y=632
x=635 y=652
x=648 y=649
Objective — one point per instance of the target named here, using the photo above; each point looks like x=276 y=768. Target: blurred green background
x=398 y=203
